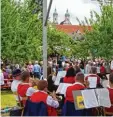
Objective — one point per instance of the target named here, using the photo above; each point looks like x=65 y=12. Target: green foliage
x=22 y=33
x=99 y=41
x=20 y=40
x=59 y=42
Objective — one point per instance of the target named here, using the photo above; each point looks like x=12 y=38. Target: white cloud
x=77 y=8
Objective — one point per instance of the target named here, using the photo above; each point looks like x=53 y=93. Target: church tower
x=55 y=17
x=67 y=17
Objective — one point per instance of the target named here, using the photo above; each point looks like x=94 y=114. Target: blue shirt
x=37 y=68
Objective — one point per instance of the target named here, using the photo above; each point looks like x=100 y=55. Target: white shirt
x=14 y=86
x=111 y=65
x=87 y=69
x=30 y=91
x=1 y=78
x=98 y=69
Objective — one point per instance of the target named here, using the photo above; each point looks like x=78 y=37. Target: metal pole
x=44 y=40
x=48 y=12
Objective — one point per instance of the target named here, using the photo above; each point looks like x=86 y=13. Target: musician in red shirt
x=78 y=85
x=109 y=111
x=42 y=96
x=93 y=74
x=70 y=76
x=25 y=89
x=103 y=71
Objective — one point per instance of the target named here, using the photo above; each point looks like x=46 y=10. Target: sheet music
x=92 y=82
x=62 y=88
x=59 y=76
x=90 y=99
x=78 y=100
x=103 y=97
x=105 y=83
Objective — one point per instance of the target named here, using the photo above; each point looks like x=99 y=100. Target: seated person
x=25 y=89
x=93 y=74
x=42 y=96
x=69 y=108
x=16 y=74
x=109 y=111
x=51 y=86
x=70 y=76
x=5 y=74
x=78 y=85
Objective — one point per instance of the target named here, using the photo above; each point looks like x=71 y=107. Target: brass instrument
x=33 y=82
x=58 y=97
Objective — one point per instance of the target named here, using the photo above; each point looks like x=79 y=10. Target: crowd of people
x=43 y=94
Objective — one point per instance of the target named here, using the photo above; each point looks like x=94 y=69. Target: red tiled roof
x=72 y=28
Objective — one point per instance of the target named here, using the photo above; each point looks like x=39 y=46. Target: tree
x=99 y=40
x=22 y=33
x=20 y=40
x=59 y=42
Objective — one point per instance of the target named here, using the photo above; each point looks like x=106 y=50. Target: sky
x=76 y=8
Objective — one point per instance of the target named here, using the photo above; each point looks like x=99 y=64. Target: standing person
x=60 y=65
x=8 y=69
x=54 y=66
x=111 y=66
x=6 y=75
x=103 y=71
x=17 y=66
x=37 y=70
x=1 y=78
x=25 y=88
x=30 y=68
x=82 y=66
x=88 y=68
x=50 y=62
x=109 y=111
x=16 y=81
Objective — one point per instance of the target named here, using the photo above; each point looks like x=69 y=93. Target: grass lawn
x=7 y=99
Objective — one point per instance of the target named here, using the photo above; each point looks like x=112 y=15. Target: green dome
x=67 y=14
x=55 y=12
